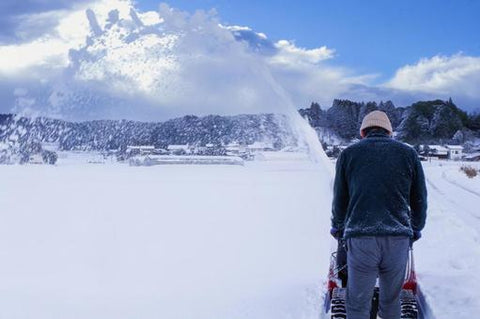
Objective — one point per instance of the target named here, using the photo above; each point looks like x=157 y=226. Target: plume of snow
x=110 y=60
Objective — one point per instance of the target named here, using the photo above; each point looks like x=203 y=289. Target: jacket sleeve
x=418 y=197
x=340 y=194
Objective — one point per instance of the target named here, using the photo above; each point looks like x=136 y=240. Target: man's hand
x=336 y=233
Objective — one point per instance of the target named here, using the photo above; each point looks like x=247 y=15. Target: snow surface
x=80 y=240
x=113 y=241
x=448 y=255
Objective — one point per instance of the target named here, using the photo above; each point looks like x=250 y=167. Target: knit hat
x=376 y=118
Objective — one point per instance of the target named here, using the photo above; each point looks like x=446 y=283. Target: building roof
x=141 y=147
x=454 y=147
x=440 y=149
x=472 y=155
x=233 y=144
x=260 y=145
x=178 y=147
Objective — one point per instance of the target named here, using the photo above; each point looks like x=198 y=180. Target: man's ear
x=362 y=133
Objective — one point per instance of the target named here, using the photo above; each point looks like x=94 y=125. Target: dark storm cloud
x=27 y=19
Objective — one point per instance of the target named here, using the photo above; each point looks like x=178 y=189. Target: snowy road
x=448 y=256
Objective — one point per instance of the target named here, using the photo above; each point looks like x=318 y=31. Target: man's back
x=379 y=189
x=379 y=206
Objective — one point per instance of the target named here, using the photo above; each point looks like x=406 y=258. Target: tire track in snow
x=444 y=176
x=457 y=200
x=432 y=185
x=452 y=238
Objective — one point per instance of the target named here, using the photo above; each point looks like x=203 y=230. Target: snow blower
x=411 y=298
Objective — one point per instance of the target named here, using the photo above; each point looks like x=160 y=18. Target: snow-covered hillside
x=82 y=240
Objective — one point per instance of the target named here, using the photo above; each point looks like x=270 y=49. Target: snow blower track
x=448 y=255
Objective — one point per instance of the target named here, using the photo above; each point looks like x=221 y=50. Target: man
x=379 y=206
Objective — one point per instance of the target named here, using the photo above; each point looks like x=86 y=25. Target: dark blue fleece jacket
x=379 y=189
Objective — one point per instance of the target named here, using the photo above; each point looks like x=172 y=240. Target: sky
x=374 y=36
x=146 y=60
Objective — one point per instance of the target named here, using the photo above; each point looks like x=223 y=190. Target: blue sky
x=374 y=36
x=95 y=59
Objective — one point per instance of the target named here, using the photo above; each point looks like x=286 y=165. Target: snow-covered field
x=113 y=241
x=108 y=240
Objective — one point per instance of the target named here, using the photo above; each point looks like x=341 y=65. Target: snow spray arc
x=134 y=66
x=306 y=134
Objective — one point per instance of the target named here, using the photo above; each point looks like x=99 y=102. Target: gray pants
x=369 y=258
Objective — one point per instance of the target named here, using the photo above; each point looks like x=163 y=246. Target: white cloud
x=41 y=52
x=156 y=65
x=307 y=75
x=456 y=75
x=51 y=49
x=170 y=62
x=289 y=54
x=26 y=20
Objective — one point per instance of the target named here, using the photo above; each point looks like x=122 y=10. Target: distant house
x=241 y=150
x=261 y=147
x=50 y=146
x=140 y=149
x=472 y=157
x=455 y=152
x=160 y=151
x=235 y=149
x=35 y=159
x=438 y=151
x=179 y=149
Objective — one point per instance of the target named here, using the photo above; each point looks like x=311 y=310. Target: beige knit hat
x=376 y=118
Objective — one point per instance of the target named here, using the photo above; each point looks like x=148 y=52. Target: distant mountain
x=432 y=120
x=423 y=122
x=344 y=117
x=23 y=136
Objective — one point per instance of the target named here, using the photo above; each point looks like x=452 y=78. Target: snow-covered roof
x=454 y=147
x=472 y=155
x=233 y=147
x=440 y=149
x=233 y=144
x=178 y=147
x=50 y=146
x=260 y=145
x=141 y=147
